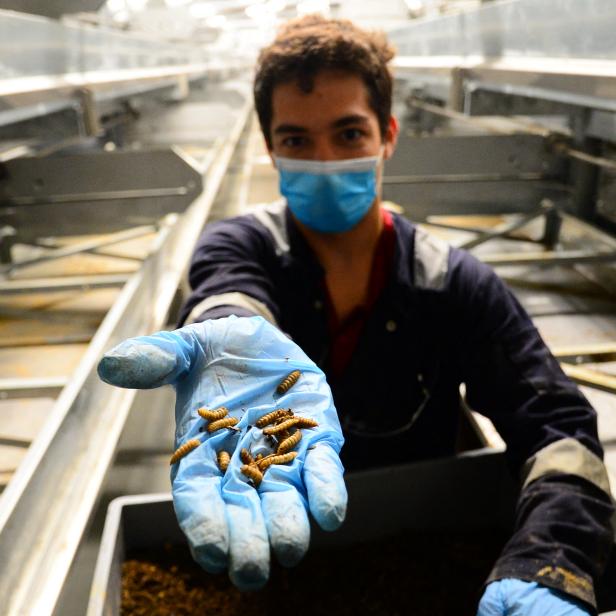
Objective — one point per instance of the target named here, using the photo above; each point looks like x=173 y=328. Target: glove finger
x=202 y=516
x=327 y=494
x=146 y=362
x=491 y=603
x=286 y=517
x=249 y=552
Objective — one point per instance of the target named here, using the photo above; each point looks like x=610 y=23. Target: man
x=398 y=320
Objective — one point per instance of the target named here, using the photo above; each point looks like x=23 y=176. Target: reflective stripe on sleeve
x=241 y=300
x=271 y=216
x=431 y=260
x=567 y=456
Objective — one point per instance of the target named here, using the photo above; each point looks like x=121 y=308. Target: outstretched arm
x=563 y=536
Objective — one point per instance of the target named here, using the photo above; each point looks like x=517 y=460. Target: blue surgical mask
x=329 y=196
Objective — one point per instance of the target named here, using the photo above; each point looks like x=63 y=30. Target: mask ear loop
x=378 y=171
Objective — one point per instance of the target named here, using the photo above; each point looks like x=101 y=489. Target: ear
x=391 y=137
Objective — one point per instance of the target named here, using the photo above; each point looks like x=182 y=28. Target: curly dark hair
x=305 y=46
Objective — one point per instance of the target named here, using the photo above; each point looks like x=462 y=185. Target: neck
x=351 y=246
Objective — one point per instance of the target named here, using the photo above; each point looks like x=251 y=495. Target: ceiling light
x=217 y=21
x=256 y=11
x=116 y=5
x=136 y=5
x=201 y=10
x=313 y=6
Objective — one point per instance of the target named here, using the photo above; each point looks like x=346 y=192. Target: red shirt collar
x=345 y=334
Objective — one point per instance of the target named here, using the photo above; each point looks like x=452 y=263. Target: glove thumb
x=147 y=362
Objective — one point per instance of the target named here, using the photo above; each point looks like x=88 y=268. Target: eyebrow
x=349 y=120
x=289 y=128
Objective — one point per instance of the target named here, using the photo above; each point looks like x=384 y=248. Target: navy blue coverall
x=443 y=319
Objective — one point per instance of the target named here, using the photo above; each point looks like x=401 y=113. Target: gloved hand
x=510 y=597
x=238 y=363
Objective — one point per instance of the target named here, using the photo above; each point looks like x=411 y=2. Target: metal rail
x=31 y=388
x=60 y=253
x=145 y=183
x=556 y=141
x=506 y=228
x=64 y=283
x=453 y=178
x=57 y=60
x=56 y=486
x=590 y=378
x=504 y=58
x=603 y=351
x=517 y=28
x=549 y=258
x=108 y=195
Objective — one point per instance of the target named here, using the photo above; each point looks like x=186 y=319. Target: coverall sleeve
x=563 y=534
x=229 y=274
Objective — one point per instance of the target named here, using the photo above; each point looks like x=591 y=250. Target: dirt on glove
x=420 y=574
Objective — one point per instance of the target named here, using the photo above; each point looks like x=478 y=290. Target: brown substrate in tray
x=420 y=574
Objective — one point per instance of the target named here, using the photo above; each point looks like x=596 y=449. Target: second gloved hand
x=238 y=363
x=511 y=597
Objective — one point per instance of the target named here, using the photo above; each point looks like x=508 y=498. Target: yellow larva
x=182 y=450
x=276 y=459
x=245 y=457
x=252 y=472
x=288 y=382
x=281 y=436
x=262 y=462
x=289 y=442
x=227 y=422
x=306 y=422
x=282 y=426
x=213 y=415
x=272 y=417
x=223 y=460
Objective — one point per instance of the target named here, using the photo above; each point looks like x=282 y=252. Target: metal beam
x=32 y=388
x=45 y=340
x=504 y=229
x=492 y=174
x=453 y=178
x=492 y=157
x=549 y=258
x=421 y=200
x=64 y=283
x=590 y=378
x=105 y=195
x=52 y=9
x=75 y=249
x=126 y=186
x=57 y=60
x=583 y=353
x=511 y=45
x=556 y=141
x=516 y=28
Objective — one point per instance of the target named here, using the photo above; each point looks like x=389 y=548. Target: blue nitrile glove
x=238 y=363
x=510 y=597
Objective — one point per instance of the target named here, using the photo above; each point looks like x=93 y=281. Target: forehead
x=334 y=94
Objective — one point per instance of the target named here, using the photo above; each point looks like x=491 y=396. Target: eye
x=352 y=135
x=294 y=141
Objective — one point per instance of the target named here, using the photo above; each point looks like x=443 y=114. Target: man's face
x=332 y=122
